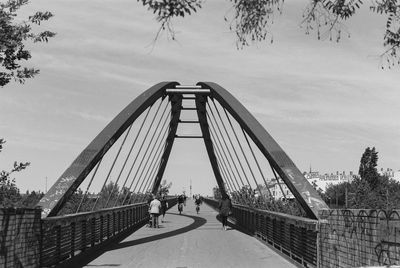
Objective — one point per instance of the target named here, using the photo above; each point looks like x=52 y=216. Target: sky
x=323 y=102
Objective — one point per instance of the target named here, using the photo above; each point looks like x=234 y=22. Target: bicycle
x=197 y=208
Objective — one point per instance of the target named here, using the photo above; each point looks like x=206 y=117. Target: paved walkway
x=189 y=240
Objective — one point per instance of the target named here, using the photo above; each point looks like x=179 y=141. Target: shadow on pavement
x=196 y=224
x=198 y=221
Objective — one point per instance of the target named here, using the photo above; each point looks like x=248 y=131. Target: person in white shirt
x=154 y=209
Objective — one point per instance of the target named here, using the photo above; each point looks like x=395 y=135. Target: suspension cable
x=231 y=143
x=222 y=169
x=152 y=173
x=229 y=171
x=245 y=157
x=230 y=182
x=277 y=180
x=226 y=146
x=155 y=130
x=147 y=184
x=90 y=183
x=258 y=166
x=162 y=133
x=216 y=138
x=112 y=166
x=130 y=151
x=222 y=160
x=140 y=149
x=119 y=175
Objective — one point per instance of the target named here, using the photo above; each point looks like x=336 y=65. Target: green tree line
x=368 y=190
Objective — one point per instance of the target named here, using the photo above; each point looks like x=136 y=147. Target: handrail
x=64 y=237
x=295 y=237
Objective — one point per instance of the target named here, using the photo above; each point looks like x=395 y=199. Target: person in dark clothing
x=164 y=207
x=181 y=200
x=149 y=199
x=197 y=202
x=225 y=206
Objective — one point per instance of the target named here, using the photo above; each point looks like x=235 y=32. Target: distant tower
x=190 y=187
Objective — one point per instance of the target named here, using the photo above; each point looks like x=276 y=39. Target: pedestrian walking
x=154 y=209
x=164 y=207
x=225 y=207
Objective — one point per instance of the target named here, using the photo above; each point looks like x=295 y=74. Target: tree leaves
x=166 y=10
x=391 y=39
x=13 y=37
x=251 y=20
x=9 y=192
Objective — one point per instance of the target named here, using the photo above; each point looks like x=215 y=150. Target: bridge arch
x=87 y=160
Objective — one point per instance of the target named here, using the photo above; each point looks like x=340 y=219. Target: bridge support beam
x=303 y=191
x=70 y=180
x=201 y=113
x=176 y=103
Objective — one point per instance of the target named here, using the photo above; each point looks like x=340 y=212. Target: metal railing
x=64 y=237
x=295 y=237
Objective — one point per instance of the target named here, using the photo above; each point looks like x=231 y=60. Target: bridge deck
x=189 y=240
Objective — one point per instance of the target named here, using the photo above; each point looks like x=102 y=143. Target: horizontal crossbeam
x=188 y=137
x=188 y=121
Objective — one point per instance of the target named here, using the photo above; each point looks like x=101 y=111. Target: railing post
x=101 y=228
x=119 y=221
x=108 y=226
x=83 y=235
x=93 y=231
x=291 y=238
x=131 y=217
x=114 y=225
x=72 y=251
x=58 y=242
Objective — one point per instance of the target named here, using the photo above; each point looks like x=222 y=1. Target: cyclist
x=181 y=200
x=197 y=202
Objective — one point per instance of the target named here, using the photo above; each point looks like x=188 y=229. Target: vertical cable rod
x=116 y=182
x=130 y=151
x=129 y=191
x=280 y=186
x=90 y=183
x=140 y=149
x=162 y=133
x=112 y=167
x=218 y=150
x=259 y=167
x=144 y=156
x=245 y=157
x=233 y=147
x=152 y=173
x=147 y=185
x=216 y=138
x=224 y=173
x=218 y=145
x=226 y=146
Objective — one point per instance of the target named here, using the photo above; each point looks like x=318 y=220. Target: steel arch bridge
x=218 y=115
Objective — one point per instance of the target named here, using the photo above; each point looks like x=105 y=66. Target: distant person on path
x=154 y=209
x=225 y=206
x=164 y=207
x=181 y=200
x=198 y=202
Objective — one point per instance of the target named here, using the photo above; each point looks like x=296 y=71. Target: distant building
x=390 y=173
x=275 y=190
x=324 y=180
